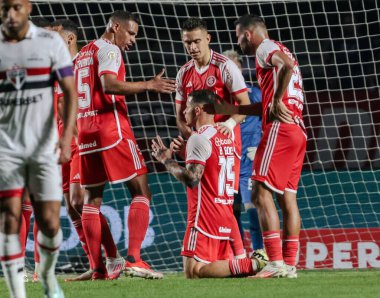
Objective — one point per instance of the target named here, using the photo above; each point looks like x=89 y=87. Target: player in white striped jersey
x=31 y=59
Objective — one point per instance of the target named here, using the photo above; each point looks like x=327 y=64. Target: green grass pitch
x=326 y=283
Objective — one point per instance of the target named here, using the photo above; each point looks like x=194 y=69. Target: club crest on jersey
x=17 y=77
x=211 y=81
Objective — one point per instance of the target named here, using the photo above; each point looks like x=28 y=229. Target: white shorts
x=40 y=174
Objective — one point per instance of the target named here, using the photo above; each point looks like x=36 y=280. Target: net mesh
x=337 y=44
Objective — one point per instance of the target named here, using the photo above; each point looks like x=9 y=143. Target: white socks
x=12 y=262
x=49 y=251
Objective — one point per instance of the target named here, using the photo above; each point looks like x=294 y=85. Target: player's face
x=243 y=42
x=125 y=36
x=14 y=15
x=189 y=113
x=196 y=43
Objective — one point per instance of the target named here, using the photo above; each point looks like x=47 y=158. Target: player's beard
x=246 y=47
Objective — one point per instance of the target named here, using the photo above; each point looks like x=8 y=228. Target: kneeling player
x=209 y=177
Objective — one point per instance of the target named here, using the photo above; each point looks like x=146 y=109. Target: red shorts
x=205 y=249
x=117 y=164
x=279 y=157
x=70 y=170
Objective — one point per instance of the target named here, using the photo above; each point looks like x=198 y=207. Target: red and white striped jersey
x=267 y=78
x=28 y=69
x=210 y=202
x=221 y=76
x=102 y=118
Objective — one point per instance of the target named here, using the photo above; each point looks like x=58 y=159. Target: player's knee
x=10 y=222
x=49 y=225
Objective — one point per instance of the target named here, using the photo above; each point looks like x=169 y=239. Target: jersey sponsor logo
x=111 y=55
x=84 y=62
x=87 y=114
x=17 y=77
x=211 y=80
x=221 y=142
x=20 y=101
x=88 y=145
x=224 y=230
x=223 y=201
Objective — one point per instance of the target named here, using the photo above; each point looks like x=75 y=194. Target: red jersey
x=102 y=118
x=210 y=202
x=267 y=78
x=221 y=76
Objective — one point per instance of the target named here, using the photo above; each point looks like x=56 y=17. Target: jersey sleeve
x=61 y=59
x=109 y=58
x=198 y=149
x=233 y=78
x=265 y=52
x=179 y=95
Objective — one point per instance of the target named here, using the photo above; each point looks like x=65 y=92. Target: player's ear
x=208 y=38
x=71 y=38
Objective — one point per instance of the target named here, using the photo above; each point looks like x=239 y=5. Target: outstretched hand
x=161 y=85
x=280 y=112
x=178 y=146
x=160 y=151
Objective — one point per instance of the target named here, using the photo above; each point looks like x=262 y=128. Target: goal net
x=337 y=44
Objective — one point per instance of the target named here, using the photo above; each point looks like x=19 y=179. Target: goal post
x=337 y=44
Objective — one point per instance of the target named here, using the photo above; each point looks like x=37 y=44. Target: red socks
x=241 y=267
x=272 y=243
x=92 y=230
x=82 y=238
x=35 y=232
x=107 y=239
x=27 y=211
x=290 y=246
x=138 y=221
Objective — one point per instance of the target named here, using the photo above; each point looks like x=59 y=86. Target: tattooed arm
x=190 y=176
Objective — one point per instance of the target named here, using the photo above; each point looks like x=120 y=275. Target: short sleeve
x=233 y=78
x=265 y=52
x=198 y=149
x=109 y=58
x=179 y=96
x=61 y=59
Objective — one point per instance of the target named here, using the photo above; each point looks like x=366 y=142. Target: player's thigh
x=276 y=155
x=92 y=170
x=44 y=178
x=124 y=162
x=12 y=175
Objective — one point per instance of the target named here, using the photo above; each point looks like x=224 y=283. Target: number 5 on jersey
x=84 y=94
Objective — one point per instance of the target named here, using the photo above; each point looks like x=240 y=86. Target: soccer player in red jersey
x=209 y=176
x=107 y=147
x=29 y=140
x=72 y=191
x=213 y=71
x=279 y=157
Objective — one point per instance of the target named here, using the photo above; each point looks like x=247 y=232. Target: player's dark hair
x=40 y=22
x=124 y=15
x=250 y=20
x=193 y=24
x=203 y=96
x=67 y=25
